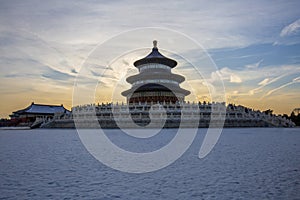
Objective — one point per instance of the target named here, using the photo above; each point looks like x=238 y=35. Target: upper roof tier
x=156 y=76
x=155 y=57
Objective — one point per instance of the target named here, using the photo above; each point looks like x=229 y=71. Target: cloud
x=290 y=29
x=235 y=79
x=226 y=74
x=295 y=80
x=27 y=51
x=89 y=22
x=255 y=65
x=56 y=75
x=245 y=80
x=276 y=89
x=264 y=82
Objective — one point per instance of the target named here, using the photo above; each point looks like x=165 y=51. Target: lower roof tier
x=172 y=99
x=156 y=87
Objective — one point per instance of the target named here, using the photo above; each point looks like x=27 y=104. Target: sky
x=254 y=44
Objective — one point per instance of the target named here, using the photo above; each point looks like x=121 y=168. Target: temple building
x=30 y=114
x=154 y=84
x=155 y=81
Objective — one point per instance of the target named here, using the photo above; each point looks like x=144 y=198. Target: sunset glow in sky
x=255 y=45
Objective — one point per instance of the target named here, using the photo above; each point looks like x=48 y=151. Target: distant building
x=31 y=113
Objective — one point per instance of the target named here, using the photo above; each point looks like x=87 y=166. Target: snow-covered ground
x=249 y=163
